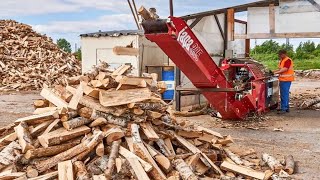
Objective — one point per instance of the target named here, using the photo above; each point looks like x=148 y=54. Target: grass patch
x=271 y=62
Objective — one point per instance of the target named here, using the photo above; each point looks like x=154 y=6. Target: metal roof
x=113 y=33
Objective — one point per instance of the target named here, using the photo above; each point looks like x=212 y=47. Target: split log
x=45 y=110
x=73 y=104
x=196 y=164
x=113 y=134
x=48 y=176
x=242 y=170
x=69 y=115
x=34 y=132
x=123 y=97
x=99 y=177
x=137 y=169
x=185 y=171
x=61 y=135
x=92 y=92
x=272 y=162
x=40 y=103
x=100 y=149
x=8 y=139
x=127 y=51
x=51 y=126
x=24 y=137
x=144 y=13
x=98 y=122
x=53 y=98
x=289 y=167
x=227 y=140
x=92 y=103
x=168 y=144
x=81 y=171
x=209 y=131
x=154 y=115
x=149 y=131
x=163 y=147
x=8 y=129
x=14 y=175
x=31 y=172
x=65 y=170
x=121 y=70
x=39 y=118
x=53 y=161
x=233 y=157
x=76 y=122
x=49 y=151
x=111 y=162
x=127 y=154
x=163 y=161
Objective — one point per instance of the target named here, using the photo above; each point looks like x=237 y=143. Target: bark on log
x=272 y=162
x=8 y=155
x=233 y=157
x=310 y=102
x=289 y=167
x=76 y=122
x=24 y=137
x=61 y=135
x=49 y=151
x=184 y=170
x=111 y=162
x=93 y=114
x=81 y=171
x=31 y=172
x=53 y=161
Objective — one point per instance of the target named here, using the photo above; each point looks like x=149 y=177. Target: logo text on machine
x=193 y=48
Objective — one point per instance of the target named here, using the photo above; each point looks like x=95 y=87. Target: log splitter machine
x=235 y=89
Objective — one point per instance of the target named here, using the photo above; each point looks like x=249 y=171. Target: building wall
x=101 y=49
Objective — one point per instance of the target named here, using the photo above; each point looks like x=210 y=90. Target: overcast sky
x=70 y=18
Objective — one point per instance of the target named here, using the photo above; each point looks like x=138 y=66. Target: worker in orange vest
x=286 y=76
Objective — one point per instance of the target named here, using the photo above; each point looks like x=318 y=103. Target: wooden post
x=272 y=19
x=230 y=18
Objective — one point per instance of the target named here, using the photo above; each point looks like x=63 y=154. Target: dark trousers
x=284 y=94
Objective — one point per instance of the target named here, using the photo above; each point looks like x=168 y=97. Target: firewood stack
x=28 y=59
x=106 y=125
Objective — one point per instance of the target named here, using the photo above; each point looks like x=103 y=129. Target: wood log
x=242 y=170
x=113 y=134
x=98 y=122
x=289 y=167
x=143 y=153
x=310 y=102
x=127 y=51
x=272 y=162
x=100 y=149
x=137 y=169
x=61 y=135
x=48 y=176
x=185 y=171
x=149 y=131
x=69 y=115
x=92 y=103
x=89 y=91
x=196 y=164
x=8 y=139
x=121 y=70
x=123 y=97
x=112 y=159
x=8 y=155
x=45 y=110
x=168 y=144
x=154 y=115
x=81 y=171
x=99 y=177
x=40 y=103
x=233 y=156
x=127 y=154
x=163 y=161
x=144 y=13
x=76 y=122
x=39 y=118
x=65 y=170
x=53 y=161
x=24 y=137
x=163 y=148
x=227 y=140
x=209 y=131
x=53 y=98
x=14 y=175
x=51 y=126
x=73 y=104
x=8 y=129
x=50 y=151
x=34 y=132
x=31 y=172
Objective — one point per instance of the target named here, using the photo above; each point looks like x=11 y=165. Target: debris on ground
x=108 y=125
x=311 y=103
x=310 y=73
x=28 y=59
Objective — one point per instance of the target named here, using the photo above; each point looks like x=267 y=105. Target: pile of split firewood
x=106 y=125
x=28 y=59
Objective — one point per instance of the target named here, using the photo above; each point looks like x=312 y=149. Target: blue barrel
x=168 y=78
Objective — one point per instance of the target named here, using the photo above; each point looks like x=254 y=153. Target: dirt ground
x=300 y=136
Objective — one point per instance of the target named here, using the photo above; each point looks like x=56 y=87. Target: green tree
x=78 y=54
x=305 y=50
x=64 y=45
x=267 y=47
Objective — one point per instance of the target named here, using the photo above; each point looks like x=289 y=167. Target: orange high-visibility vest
x=288 y=75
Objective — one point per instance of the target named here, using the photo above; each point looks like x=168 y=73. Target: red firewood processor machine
x=235 y=90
